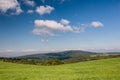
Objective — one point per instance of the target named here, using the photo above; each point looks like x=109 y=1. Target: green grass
x=106 y=69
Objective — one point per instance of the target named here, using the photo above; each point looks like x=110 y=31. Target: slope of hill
x=59 y=55
x=106 y=69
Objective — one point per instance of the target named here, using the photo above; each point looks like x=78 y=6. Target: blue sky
x=57 y=25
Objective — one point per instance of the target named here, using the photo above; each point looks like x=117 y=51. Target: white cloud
x=49 y=27
x=51 y=24
x=44 y=9
x=64 y=22
x=13 y=5
x=42 y=32
x=96 y=24
x=11 y=51
x=18 y=11
x=29 y=3
x=30 y=11
x=44 y=40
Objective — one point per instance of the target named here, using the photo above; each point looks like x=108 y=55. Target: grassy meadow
x=106 y=69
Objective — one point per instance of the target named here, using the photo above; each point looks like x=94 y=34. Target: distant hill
x=71 y=55
x=65 y=55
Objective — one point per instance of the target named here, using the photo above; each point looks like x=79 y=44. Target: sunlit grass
x=107 y=69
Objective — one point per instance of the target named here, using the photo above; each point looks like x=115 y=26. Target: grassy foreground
x=106 y=69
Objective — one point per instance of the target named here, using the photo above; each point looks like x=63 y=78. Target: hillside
x=59 y=55
x=68 y=56
x=106 y=69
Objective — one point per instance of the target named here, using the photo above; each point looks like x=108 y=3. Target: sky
x=36 y=26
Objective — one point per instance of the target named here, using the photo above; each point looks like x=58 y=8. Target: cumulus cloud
x=64 y=22
x=96 y=24
x=13 y=5
x=51 y=27
x=30 y=11
x=51 y=24
x=29 y=3
x=44 y=9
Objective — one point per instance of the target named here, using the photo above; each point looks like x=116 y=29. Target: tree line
x=57 y=61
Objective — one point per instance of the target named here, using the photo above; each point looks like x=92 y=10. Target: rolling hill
x=65 y=55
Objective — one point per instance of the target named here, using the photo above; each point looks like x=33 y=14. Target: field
x=106 y=69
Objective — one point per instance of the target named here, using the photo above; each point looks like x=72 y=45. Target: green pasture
x=106 y=69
